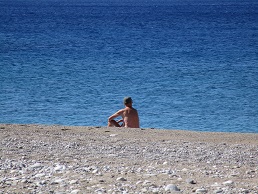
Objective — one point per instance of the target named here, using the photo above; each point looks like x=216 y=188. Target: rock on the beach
x=155 y=190
x=113 y=135
x=171 y=187
x=36 y=165
x=40 y=175
x=138 y=182
x=121 y=179
x=75 y=191
x=219 y=190
x=57 y=181
x=190 y=181
x=73 y=182
x=201 y=190
x=95 y=171
x=59 y=168
x=146 y=182
x=227 y=183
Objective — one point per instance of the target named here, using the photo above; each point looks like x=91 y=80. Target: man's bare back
x=129 y=116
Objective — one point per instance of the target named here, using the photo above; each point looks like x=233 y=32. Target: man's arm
x=117 y=114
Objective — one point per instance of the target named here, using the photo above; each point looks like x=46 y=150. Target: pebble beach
x=69 y=159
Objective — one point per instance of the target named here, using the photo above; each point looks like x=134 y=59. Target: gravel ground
x=65 y=159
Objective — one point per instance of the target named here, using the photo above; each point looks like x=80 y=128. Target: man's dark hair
x=128 y=100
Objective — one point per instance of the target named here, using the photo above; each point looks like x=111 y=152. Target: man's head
x=128 y=100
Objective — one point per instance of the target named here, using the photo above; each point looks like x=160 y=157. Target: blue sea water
x=188 y=64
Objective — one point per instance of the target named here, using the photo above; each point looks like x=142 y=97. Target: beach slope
x=66 y=159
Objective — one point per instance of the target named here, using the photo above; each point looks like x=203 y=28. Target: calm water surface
x=187 y=64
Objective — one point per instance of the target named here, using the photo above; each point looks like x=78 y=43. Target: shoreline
x=144 y=128
x=83 y=159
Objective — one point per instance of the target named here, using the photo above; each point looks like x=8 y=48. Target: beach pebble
x=146 y=182
x=144 y=190
x=250 y=171
x=219 y=190
x=13 y=171
x=39 y=183
x=59 y=168
x=57 y=181
x=95 y=171
x=36 y=165
x=171 y=187
x=184 y=170
x=215 y=184
x=138 y=182
x=23 y=181
x=245 y=191
x=73 y=182
x=179 y=179
x=75 y=191
x=201 y=190
x=40 y=175
x=121 y=179
x=190 y=181
x=169 y=172
x=155 y=190
x=100 y=191
x=228 y=183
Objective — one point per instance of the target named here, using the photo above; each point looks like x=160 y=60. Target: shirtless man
x=129 y=115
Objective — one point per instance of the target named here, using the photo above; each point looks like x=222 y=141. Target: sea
x=187 y=64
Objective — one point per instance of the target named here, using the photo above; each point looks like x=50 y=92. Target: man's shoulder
x=134 y=109
x=130 y=109
x=122 y=110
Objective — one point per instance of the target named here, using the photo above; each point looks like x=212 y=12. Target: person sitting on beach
x=129 y=116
